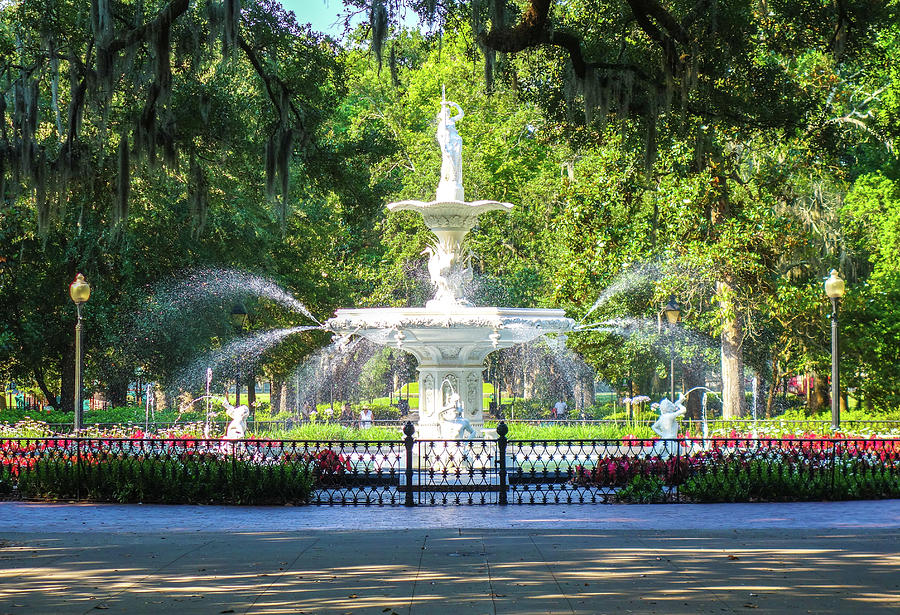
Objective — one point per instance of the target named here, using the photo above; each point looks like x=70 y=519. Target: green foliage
x=772 y=481
x=525 y=431
x=324 y=431
x=642 y=490
x=871 y=329
x=196 y=119
x=122 y=415
x=167 y=481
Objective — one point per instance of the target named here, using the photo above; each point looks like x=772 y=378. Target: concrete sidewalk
x=779 y=558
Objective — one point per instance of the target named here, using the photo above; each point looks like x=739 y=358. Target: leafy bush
x=385 y=413
x=334 y=432
x=748 y=470
x=622 y=471
x=577 y=431
x=206 y=479
x=526 y=409
x=782 y=480
x=643 y=490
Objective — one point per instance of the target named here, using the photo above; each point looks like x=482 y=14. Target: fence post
x=502 y=430
x=409 y=429
x=834 y=449
x=233 y=481
x=676 y=474
x=79 y=471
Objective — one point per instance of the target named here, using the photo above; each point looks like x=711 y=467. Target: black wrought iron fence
x=712 y=470
x=449 y=472
x=199 y=471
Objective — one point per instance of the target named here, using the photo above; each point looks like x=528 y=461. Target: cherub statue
x=666 y=426
x=237 y=428
x=455 y=410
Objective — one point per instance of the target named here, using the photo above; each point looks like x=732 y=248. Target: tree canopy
x=729 y=153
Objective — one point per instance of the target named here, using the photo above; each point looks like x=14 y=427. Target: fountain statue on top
x=450 y=187
x=450 y=336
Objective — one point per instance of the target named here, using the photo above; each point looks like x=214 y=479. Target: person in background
x=365 y=418
x=561 y=408
x=346 y=413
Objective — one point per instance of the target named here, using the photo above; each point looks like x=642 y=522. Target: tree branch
x=270 y=81
x=533 y=31
x=169 y=14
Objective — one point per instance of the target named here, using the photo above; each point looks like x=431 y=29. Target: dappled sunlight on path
x=451 y=571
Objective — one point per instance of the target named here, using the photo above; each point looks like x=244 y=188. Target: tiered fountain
x=450 y=336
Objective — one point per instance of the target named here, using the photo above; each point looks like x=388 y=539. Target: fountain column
x=437 y=383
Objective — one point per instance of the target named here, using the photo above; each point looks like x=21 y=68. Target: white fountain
x=450 y=336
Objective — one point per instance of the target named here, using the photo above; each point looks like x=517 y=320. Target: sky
x=324 y=15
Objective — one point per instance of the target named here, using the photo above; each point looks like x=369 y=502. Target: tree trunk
x=693 y=376
x=819 y=396
x=759 y=399
x=289 y=395
x=117 y=394
x=42 y=385
x=733 y=402
x=275 y=396
x=770 y=398
x=251 y=395
x=584 y=389
x=160 y=398
x=67 y=384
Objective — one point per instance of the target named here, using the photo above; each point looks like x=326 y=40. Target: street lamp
x=238 y=319
x=673 y=313
x=834 y=288
x=80 y=291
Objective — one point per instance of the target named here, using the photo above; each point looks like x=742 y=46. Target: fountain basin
x=451 y=346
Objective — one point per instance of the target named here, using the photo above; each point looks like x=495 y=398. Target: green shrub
x=325 y=431
x=209 y=480
x=776 y=481
x=384 y=413
x=642 y=489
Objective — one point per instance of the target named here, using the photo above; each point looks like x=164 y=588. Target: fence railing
x=449 y=472
x=695 y=426
x=692 y=426
x=260 y=427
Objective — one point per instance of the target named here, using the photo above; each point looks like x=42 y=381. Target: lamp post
x=238 y=319
x=834 y=288
x=80 y=291
x=673 y=313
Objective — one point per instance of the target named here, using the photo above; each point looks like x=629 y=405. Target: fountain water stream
x=450 y=336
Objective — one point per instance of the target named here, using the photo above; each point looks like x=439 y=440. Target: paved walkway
x=808 y=557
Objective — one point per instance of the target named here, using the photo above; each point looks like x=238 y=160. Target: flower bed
x=188 y=471
x=746 y=470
